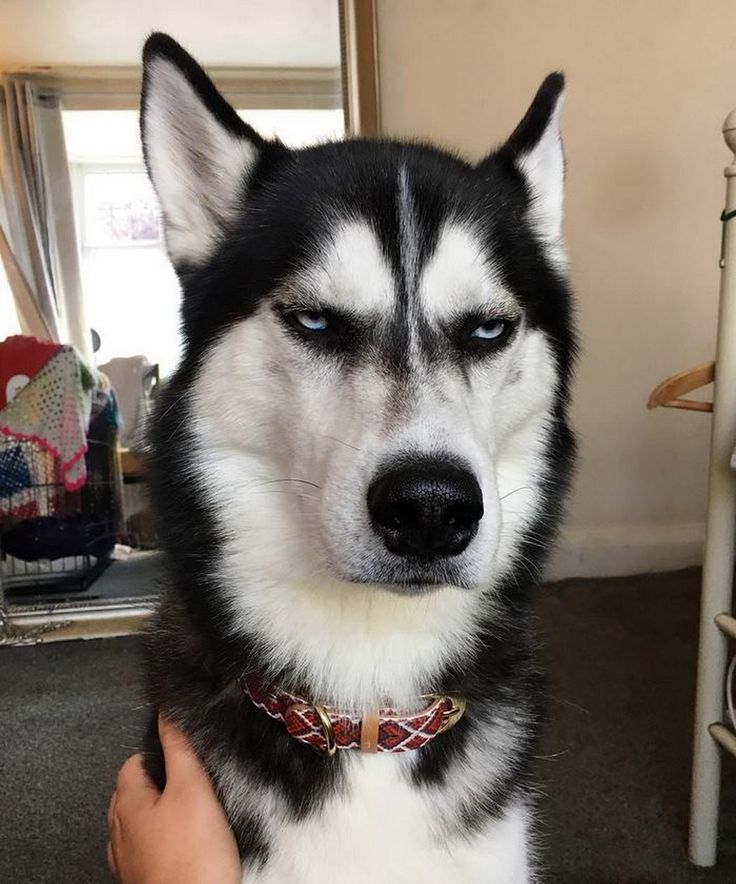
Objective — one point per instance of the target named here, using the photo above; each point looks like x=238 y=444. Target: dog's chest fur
x=381 y=828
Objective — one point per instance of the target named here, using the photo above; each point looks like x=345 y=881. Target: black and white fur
x=268 y=436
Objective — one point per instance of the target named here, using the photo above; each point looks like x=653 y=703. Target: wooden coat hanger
x=668 y=392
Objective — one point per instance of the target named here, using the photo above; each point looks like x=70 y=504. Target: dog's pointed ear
x=199 y=154
x=535 y=148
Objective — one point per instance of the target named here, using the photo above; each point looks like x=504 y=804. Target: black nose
x=428 y=508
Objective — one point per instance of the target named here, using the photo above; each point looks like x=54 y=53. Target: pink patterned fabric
x=396 y=732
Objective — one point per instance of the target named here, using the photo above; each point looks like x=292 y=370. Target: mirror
x=89 y=318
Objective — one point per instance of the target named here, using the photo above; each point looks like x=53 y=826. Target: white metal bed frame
x=717 y=623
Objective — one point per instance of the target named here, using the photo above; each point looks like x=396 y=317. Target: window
x=119 y=209
x=131 y=292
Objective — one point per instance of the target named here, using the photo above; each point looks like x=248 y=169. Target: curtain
x=38 y=244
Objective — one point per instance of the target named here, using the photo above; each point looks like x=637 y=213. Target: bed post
x=718 y=561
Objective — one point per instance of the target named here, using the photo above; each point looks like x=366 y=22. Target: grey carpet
x=621 y=657
x=615 y=766
x=68 y=719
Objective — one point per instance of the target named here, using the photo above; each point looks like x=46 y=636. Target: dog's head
x=378 y=338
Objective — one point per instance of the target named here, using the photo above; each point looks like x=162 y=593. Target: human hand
x=178 y=836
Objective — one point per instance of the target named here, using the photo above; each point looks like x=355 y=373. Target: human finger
x=111 y=864
x=134 y=787
x=183 y=767
x=111 y=810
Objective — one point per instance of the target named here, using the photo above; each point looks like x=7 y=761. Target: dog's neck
x=358 y=645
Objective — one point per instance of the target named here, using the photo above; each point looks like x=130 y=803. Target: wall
x=649 y=84
x=240 y=33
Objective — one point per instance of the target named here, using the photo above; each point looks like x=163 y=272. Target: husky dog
x=357 y=471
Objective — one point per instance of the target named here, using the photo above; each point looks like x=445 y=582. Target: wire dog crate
x=53 y=539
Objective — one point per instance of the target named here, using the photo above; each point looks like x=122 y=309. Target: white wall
x=240 y=33
x=649 y=84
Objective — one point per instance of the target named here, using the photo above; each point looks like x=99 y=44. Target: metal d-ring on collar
x=451 y=716
x=326 y=724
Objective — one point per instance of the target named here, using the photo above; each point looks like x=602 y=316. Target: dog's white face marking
x=461 y=277
x=410 y=257
x=287 y=444
x=349 y=273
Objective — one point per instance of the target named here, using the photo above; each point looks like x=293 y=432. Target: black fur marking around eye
x=346 y=337
x=460 y=332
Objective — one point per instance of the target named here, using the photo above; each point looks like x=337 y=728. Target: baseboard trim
x=615 y=551
x=30 y=625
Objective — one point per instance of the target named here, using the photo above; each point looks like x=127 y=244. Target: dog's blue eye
x=490 y=330
x=312 y=320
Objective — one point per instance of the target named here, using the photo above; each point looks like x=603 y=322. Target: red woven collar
x=381 y=730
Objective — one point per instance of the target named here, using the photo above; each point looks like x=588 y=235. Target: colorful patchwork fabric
x=15 y=474
x=42 y=495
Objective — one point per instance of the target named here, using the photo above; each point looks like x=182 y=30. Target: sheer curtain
x=38 y=245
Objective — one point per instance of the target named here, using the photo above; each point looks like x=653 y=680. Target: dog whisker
x=279 y=481
x=341 y=441
x=515 y=491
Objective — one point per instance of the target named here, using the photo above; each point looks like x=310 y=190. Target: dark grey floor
x=68 y=718
x=615 y=766
x=621 y=658
x=137 y=576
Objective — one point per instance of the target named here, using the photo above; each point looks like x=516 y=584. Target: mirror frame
x=359 y=56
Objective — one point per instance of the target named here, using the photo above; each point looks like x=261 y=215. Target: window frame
x=118 y=88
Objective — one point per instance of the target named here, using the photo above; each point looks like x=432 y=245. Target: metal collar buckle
x=451 y=716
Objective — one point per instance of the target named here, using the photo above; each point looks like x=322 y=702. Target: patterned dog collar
x=381 y=730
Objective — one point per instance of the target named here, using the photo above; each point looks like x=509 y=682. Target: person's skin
x=178 y=836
